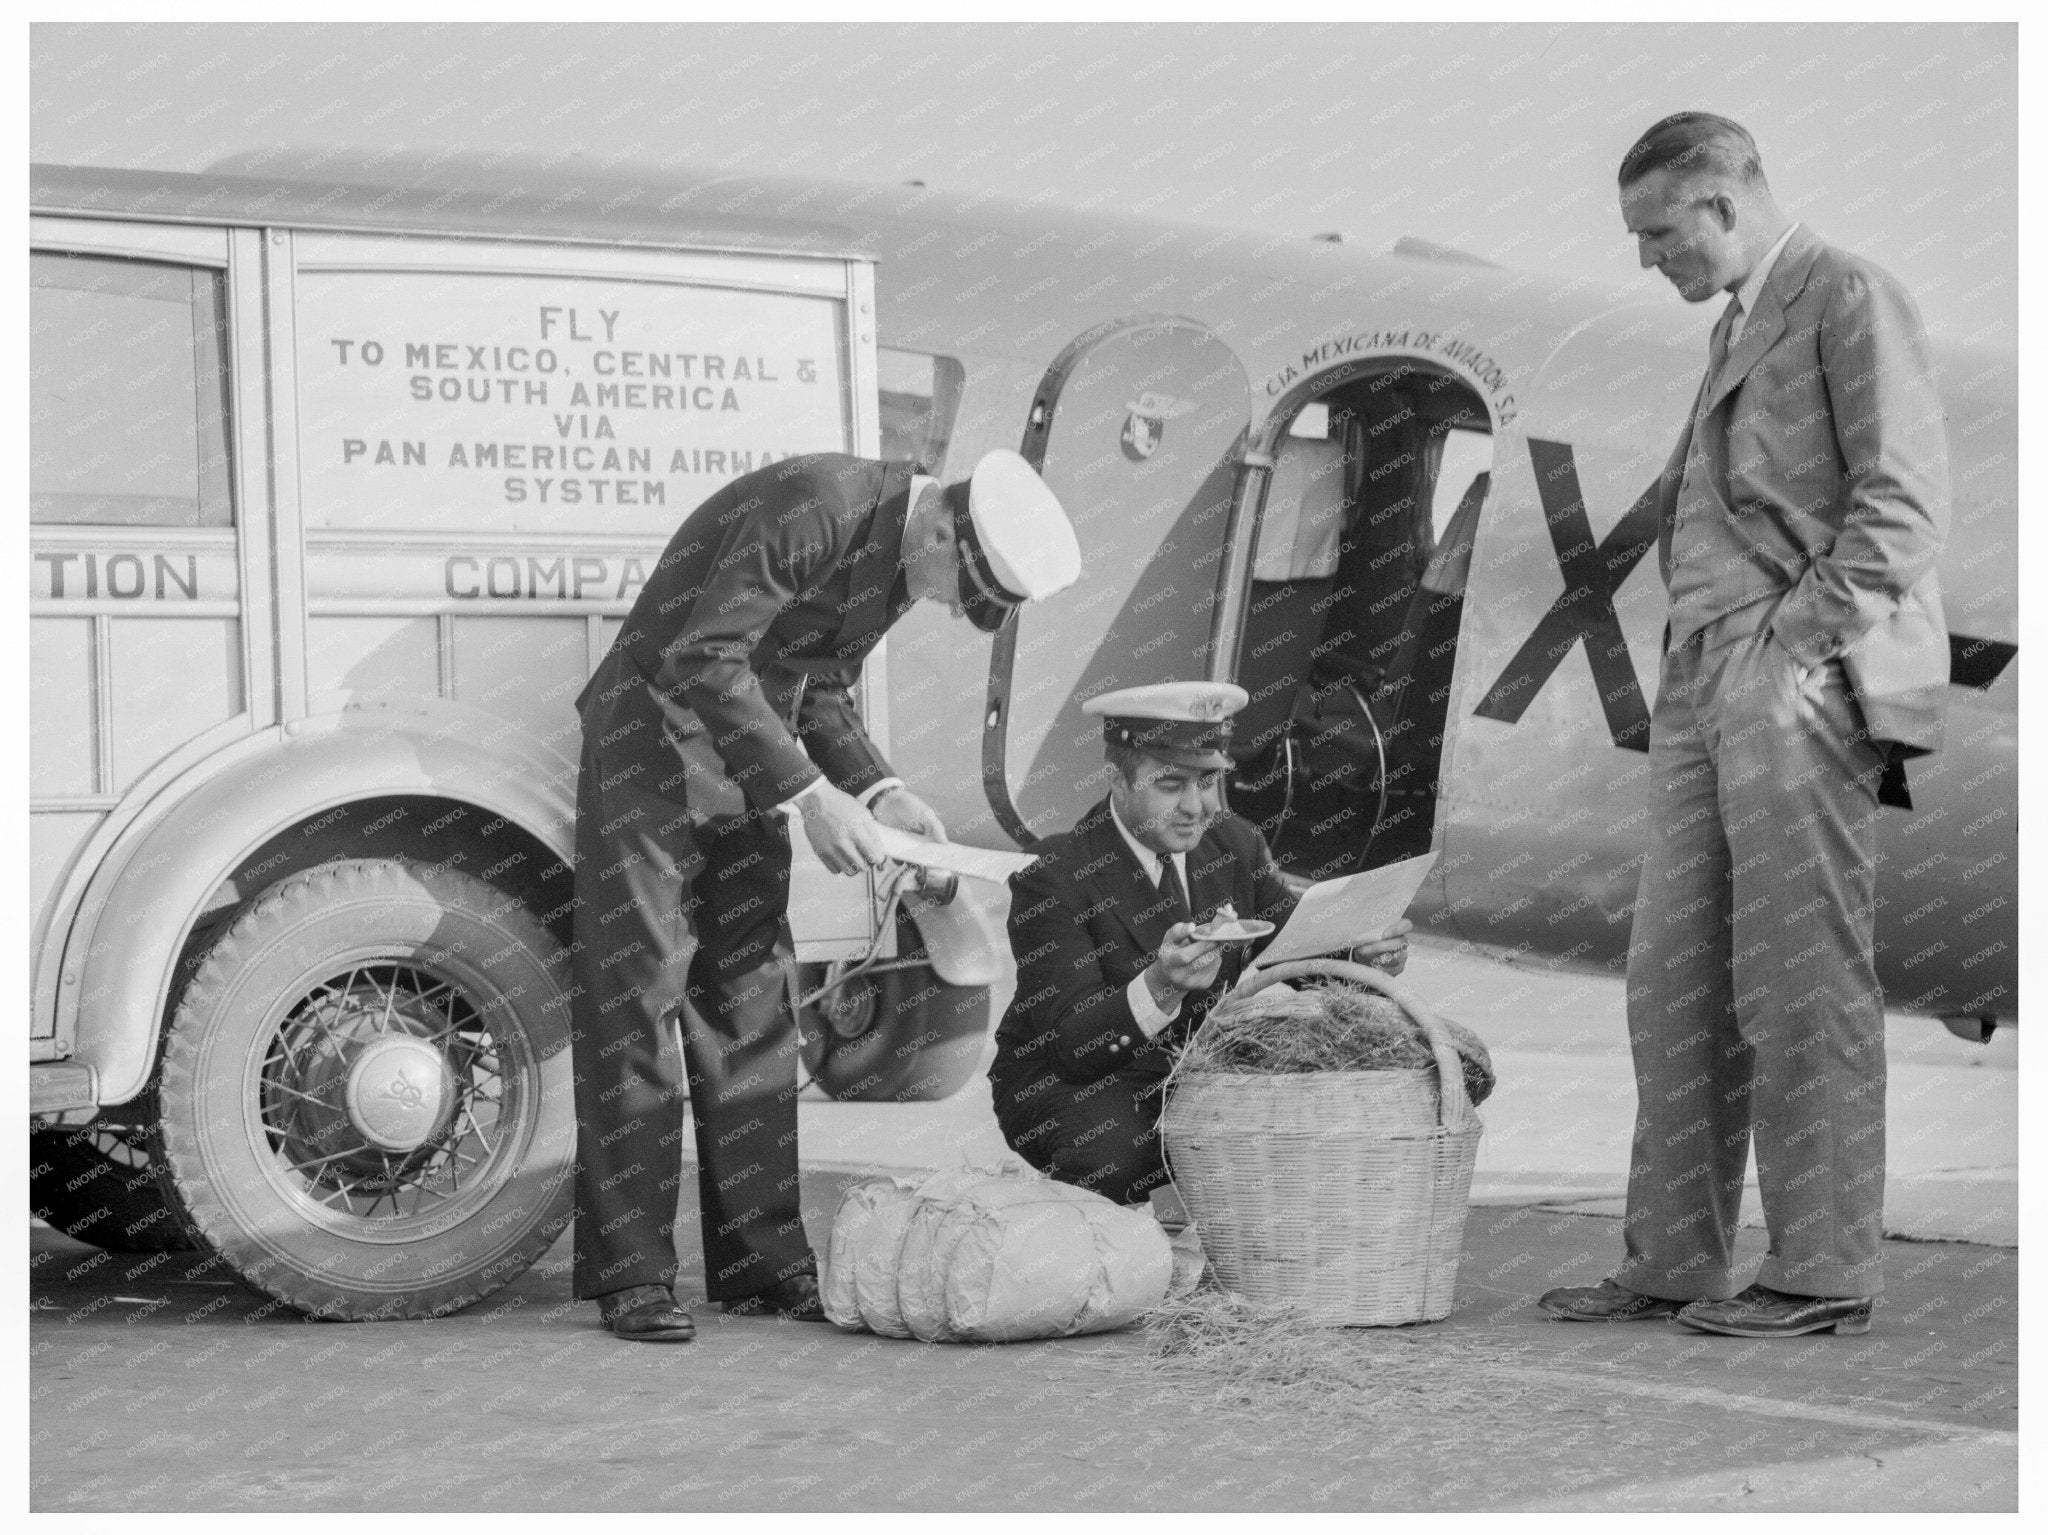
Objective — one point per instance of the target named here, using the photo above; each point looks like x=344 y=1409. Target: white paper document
x=1337 y=913
x=953 y=857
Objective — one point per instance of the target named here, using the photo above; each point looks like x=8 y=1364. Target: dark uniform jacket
x=750 y=634
x=1085 y=919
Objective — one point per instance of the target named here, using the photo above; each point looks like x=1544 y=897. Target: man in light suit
x=1805 y=660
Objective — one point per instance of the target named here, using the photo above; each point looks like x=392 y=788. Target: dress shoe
x=1761 y=1312
x=1607 y=1301
x=795 y=1297
x=646 y=1313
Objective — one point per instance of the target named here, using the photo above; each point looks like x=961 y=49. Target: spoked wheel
x=892 y=1035
x=382 y=1088
x=366 y=1092
x=98 y=1183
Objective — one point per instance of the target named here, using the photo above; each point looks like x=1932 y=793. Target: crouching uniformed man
x=1110 y=979
x=743 y=645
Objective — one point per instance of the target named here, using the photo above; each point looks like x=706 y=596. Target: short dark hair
x=1694 y=142
x=1125 y=759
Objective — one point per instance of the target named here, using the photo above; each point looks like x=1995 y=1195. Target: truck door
x=1137 y=427
x=138 y=490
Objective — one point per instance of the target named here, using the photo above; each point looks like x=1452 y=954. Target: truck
x=335 y=505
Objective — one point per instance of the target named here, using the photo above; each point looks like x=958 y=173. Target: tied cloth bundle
x=1333 y=1025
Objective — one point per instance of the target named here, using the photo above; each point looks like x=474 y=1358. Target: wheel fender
x=967 y=939
x=139 y=907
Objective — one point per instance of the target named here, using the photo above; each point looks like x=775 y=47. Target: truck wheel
x=98 y=1184
x=365 y=1104
x=892 y=1036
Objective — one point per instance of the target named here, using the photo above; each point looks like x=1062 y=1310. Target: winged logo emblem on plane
x=1145 y=426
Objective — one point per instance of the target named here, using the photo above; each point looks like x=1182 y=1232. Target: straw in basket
x=1340 y=1193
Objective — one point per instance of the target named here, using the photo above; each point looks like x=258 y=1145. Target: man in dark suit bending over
x=1110 y=979
x=724 y=705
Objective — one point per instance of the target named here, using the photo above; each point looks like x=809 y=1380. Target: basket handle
x=1454 y=1104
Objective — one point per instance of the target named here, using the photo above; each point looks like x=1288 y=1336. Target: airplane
x=438 y=417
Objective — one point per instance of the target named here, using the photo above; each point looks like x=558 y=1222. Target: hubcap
x=384 y=1094
x=399 y=1093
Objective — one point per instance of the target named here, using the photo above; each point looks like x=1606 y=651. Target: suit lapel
x=1212 y=879
x=1760 y=332
x=1118 y=882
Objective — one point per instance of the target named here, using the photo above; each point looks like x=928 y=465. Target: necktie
x=1724 y=338
x=1177 y=909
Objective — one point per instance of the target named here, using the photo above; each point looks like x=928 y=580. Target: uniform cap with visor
x=1016 y=544
x=1184 y=723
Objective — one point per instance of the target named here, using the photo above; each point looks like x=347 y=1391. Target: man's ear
x=936 y=518
x=1724 y=209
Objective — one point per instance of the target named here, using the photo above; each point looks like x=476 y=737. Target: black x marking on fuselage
x=1593 y=573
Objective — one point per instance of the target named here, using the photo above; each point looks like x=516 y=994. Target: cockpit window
x=920 y=399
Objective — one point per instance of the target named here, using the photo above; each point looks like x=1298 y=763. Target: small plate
x=1239 y=930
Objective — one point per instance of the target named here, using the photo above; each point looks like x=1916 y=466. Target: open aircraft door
x=1137 y=427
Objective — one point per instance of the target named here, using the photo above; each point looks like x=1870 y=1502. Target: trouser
x=1753 y=1005
x=1102 y=1135
x=672 y=909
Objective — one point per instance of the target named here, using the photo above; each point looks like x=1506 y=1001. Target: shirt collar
x=1147 y=859
x=1759 y=274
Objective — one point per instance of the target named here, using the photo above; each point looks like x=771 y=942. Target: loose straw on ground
x=1215 y=1351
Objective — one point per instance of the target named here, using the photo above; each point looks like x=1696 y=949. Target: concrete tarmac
x=161 y=1384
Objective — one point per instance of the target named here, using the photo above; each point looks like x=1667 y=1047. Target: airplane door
x=1137 y=427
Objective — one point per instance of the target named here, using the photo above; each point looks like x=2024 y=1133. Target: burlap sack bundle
x=990 y=1257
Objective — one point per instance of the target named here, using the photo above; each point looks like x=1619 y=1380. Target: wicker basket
x=1340 y=1193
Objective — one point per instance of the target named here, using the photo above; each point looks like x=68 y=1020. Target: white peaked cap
x=1021 y=528
x=1190 y=702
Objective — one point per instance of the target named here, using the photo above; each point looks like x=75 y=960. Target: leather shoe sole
x=1763 y=1313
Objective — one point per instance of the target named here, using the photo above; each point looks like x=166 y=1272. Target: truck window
x=920 y=399
x=128 y=385
x=492 y=403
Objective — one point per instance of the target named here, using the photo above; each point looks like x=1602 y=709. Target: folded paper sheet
x=1337 y=913
x=954 y=857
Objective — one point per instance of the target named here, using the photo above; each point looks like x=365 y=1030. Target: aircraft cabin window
x=1467 y=455
x=1461 y=485
x=920 y=398
x=1304 y=516
x=128 y=409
